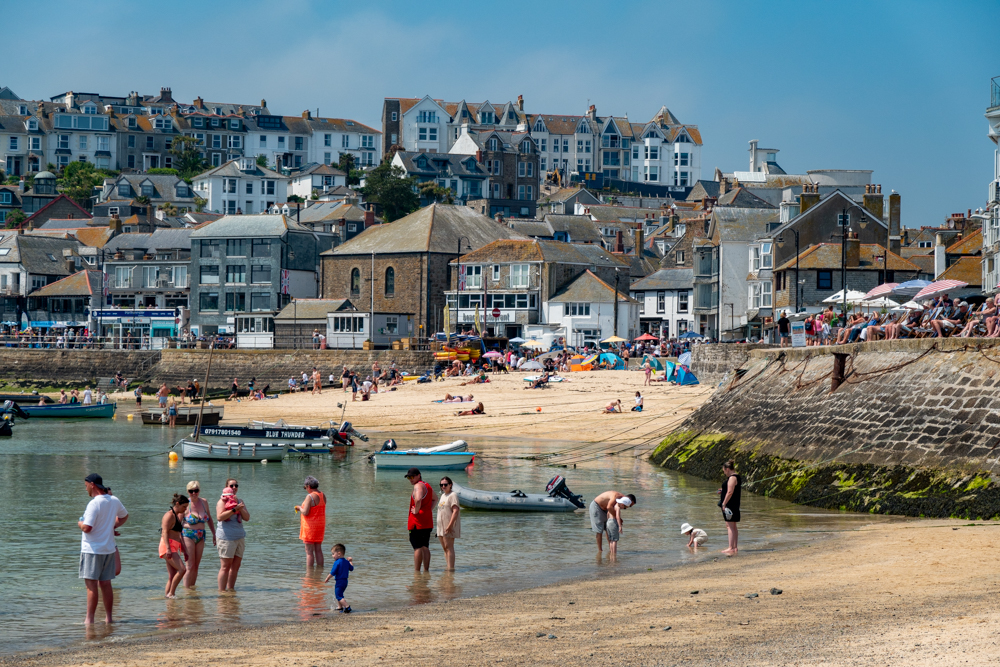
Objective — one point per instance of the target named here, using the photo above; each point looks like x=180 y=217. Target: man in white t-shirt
x=88 y=396
x=104 y=513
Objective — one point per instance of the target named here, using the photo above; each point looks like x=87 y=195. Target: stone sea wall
x=710 y=363
x=40 y=368
x=902 y=427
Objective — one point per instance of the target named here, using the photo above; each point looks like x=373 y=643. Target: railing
x=995 y=92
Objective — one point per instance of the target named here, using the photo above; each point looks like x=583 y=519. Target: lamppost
x=781 y=244
x=458 y=276
x=290 y=256
x=616 y=303
x=844 y=220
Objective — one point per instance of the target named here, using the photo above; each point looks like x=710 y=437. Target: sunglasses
x=444 y=485
x=194 y=490
x=234 y=486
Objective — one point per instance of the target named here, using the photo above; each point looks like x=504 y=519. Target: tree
x=345 y=163
x=15 y=218
x=430 y=190
x=388 y=186
x=163 y=170
x=262 y=161
x=187 y=157
x=294 y=198
x=199 y=203
x=79 y=179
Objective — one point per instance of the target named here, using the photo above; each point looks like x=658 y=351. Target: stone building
x=410 y=260
x=149 y=270
x=512 y=161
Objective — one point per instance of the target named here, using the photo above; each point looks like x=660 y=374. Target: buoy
x=264 y=462
x=172 y=455
x=130 y=416
x=538 y=409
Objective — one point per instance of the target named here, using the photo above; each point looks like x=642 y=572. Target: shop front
x=136 y=328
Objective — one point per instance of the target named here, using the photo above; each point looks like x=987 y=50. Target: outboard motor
x=388 y=446
x=557 y=489
x=12 y=408
x=348 y=428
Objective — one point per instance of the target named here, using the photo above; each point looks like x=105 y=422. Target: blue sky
x=897 y=87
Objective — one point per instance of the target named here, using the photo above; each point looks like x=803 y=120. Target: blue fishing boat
x=72 y=410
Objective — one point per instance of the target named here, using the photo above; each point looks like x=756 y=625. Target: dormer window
x=215 y=122
x=22 y=110
x=248 y=164
x=217 y=111
x=32 y=124
x=234 y=124
x=487 y=118
x=163 y=123
x=124 y=190
x=89 y=109
x=492 y=143
x=198 y=122
x=525 y=147
x=539 y=126
x=131 y=121
x=147 y=189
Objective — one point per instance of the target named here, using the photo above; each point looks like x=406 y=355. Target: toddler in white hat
x=697 y=535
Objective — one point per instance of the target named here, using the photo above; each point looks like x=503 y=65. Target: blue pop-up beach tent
x=614 y=362
x=653 y=362
x=685 y=376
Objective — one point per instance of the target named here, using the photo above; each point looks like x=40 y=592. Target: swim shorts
x=598 y=517
x=420 y=537
x=612 y=528
x=99 y=567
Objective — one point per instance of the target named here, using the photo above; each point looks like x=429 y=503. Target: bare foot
x=170 y=596
x=728 y=552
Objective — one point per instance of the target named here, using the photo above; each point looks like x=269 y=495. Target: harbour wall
x=41 y=368
x=901 y=427
x=710 y=363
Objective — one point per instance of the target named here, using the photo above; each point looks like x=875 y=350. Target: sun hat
x=686 y=528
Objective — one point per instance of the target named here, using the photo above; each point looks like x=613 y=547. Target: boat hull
x=423 y=460
x=506 y=501
x=288 y=435
x=65 y=411
x=232 y=451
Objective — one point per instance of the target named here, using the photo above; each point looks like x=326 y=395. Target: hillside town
x=146 y=221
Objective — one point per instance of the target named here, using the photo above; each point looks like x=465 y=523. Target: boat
x=68 y=410
x=456 y=446
x=187 y=415
x=6 y=427
x=423 y=460
x=232 y=451
x=557 y=498
x=285 y=436
x=345 y=429
x=26 y=398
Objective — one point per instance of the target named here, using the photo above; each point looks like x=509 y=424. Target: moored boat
x=232 y=451
x=68 y=410
x=285 y=436
x=423 y=460
x=187 y=415
x=557 y=498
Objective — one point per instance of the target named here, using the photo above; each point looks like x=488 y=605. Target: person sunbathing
x=541 y=381
x=448 y=398
x=987 y=310
x=845 y=332
x=951 y=319
x=480 y=379
x=478 y=410
x=613 y=407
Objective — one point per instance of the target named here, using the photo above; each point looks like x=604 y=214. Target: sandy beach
x=890 y=594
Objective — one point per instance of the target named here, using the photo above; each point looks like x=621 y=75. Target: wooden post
x=837 y=377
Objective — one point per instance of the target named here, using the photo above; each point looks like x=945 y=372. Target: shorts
x=698 y=541
x=338 y=589
x=99 y=567
x=175 y=548
x=612 y=527
x=598 y=517
x=163 y=401
x=231 y=548
x=420 y=538
x=735 y=518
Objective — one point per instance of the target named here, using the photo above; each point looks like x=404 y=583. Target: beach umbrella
x=853 y=296
x=532 y=366
x=880 y=302
x=492 y=354
x=910 y=288
x=690 y=334
x=516 y=339
x=646 y=336
x=939 y=287
x=881 y=290
x=909 y=305
x=613 y=339
x=534 y=343
x=684 y=359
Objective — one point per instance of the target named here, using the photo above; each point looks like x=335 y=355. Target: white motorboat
x=423 y=460
x=456 y=446
x=232 y=451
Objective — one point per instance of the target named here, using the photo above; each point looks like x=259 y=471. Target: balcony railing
x=995 y=92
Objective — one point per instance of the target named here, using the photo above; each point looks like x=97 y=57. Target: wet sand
x=916 y=593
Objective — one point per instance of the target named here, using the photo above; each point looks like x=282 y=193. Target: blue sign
x=133 y=313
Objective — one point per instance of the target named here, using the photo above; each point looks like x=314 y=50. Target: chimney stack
x=940 y=259
x=639 y=240
x=307 y=114
x=369 y=217
x=853 y=251
x=263 y=103
x=592 y=112
x=619 y=242
x=874 y=202
x=520 y=102
x=809 y=197
x=894 y=218
x=199 y=103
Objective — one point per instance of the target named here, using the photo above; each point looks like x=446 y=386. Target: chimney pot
x=307 y=114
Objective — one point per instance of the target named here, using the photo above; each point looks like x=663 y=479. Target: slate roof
x=164 y=186
x=971 y=244
x=835 y=199
x=536 y=250
x=129 y=241
x=610 y=213
x=742 y=224
x=313 y=309
x=438 y=164
x=828 y=256
x=703 y=189
x=316 y=168
x=666 y=279
x=562 y=194
x=740 y=197
x=588 y=288
x=83 y=283
x=581 y=228
x=436 y=228
x=332 y=210
x=94 y=237
x=925 y=262
x=33 y=253
x=248 y=226
x=231 y=169
x=171 y=239
x=966 y=269
x=39 y=212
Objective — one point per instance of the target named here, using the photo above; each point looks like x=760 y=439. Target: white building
x=991 y=225
x=664 y=299
x=22 y=144
x=241 y=186
x=583 y=313
x=78 y=130
x=316 y=178
x=295 y=141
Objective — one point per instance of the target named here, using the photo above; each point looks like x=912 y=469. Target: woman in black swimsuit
x=730 y=504
x=171 y=547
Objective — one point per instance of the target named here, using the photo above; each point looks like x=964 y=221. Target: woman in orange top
x=312 y=515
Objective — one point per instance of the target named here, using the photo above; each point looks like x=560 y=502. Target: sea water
x=42 y=602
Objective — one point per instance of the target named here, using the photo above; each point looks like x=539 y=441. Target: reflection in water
x=420 y=589
x=98 y=631
x=449 y=589
x=229 y=607
x=312 y=595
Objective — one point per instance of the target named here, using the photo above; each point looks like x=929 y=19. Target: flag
x=461 y=278
x=478 y=327
x=284 y=281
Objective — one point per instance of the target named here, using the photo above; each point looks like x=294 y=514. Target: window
x=281 y=141
x=345 y=141
x=249 y=188
x=473 y=277
x=267 y=187
x=210 y=275
x=565 y=145
x=610 y=158
x=209 y=302
x=641 y=298
x=555 y=145
x=681 y=178
x=520 y=275
x=394 y=115
x=83 y=142
x=679 y=256
x=326 y=158
x=496 y=272
x=522 y=169
x=521 y=192
x=263 y=144
x=236 y=273
x=661 y=302
x=180 y=276
x=765 y=294
x=261 y=248
x=682 y=302
x=824 y=280
x=210 y=248
x=368 y=141
x=260 y=273
x=299 y=141
x=651 y=174
x=652 y=152
x=234 y=124
x=147 y=190
x=260 y=301
x=229 y=185
x=542 y=144
x=131 y=161
x=150 y=274
x=5 y=197
x=578 y=309
x=13 y=143
x=635 y=152
x=542 y=163
x=236 y=247
x=355 y=282
x=390 y=281
x=765 y=255
x=63 y=141
x=236 y=301
x=35 y=143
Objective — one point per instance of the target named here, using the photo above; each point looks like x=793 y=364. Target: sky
x=896 y=87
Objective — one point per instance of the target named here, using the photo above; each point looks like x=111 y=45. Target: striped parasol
x=881 y=290
x=939 y=287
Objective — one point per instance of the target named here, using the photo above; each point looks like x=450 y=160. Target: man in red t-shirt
x=421 y=520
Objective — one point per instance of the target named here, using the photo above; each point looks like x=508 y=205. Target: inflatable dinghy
x=558 y=498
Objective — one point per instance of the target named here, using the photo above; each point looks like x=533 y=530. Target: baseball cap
x=96 y=480
x=412 y=472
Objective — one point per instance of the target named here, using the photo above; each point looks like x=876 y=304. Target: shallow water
x=43 y=465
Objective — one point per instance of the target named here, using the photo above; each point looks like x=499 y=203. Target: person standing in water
x=449 y=523
x=103 y=515
x=606 y=516
x=171 y=549
x=312 y=518
x=420 y=521
x=730 y=504
x=193 y=532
